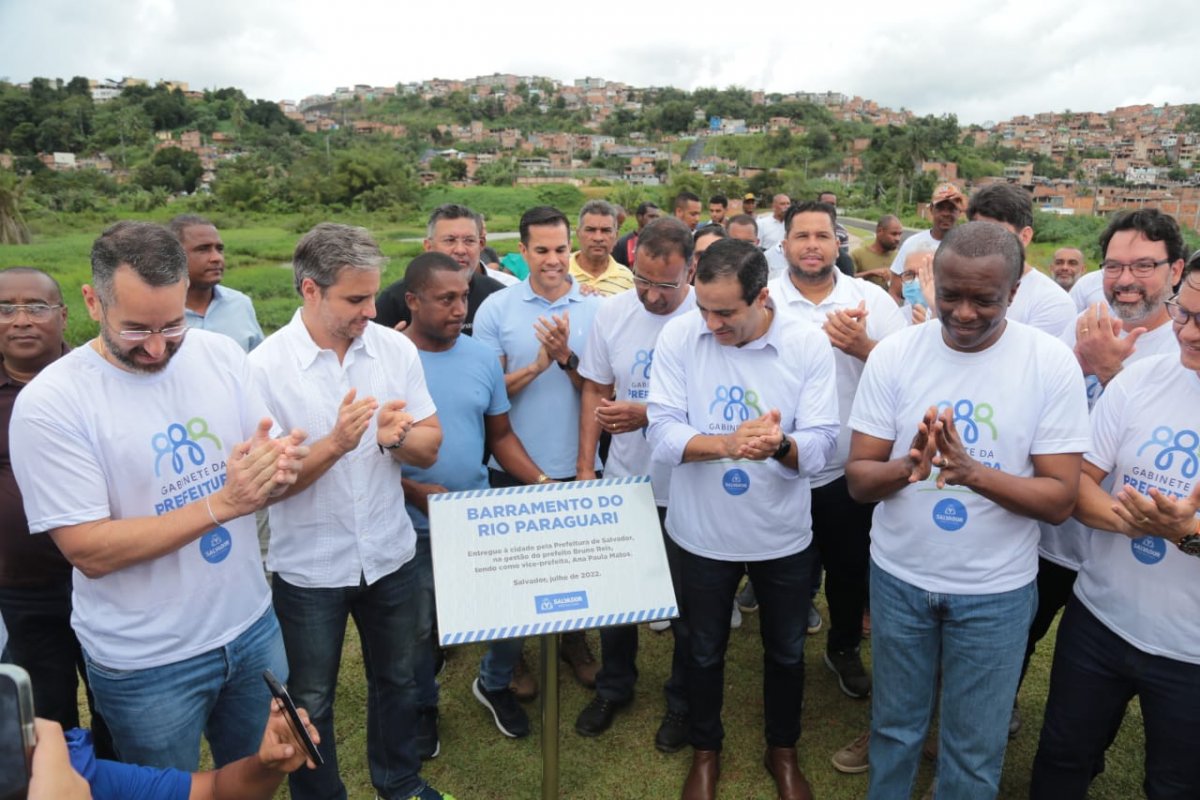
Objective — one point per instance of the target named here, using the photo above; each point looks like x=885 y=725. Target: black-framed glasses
x=38 y=312
x=1141 y=268
x=649 y=284
x=1180 y=315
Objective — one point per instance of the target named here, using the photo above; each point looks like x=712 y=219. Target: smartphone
x=280 y=692
x=16 y=732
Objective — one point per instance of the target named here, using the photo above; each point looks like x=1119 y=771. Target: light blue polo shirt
x=545 y=414
x=466 y=384
x=232 y=313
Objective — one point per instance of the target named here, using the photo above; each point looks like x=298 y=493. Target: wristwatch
x=1190 y=544
x=571 y=363
x=785 y=447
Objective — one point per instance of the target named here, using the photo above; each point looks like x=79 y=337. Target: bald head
x=1068 y=267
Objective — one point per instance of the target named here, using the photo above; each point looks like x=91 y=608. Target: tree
x=172 y=169
x=13 y=229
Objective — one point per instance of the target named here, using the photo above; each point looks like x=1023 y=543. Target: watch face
x=1190 y=544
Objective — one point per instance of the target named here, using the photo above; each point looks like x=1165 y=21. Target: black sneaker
x=510 y=718
x=672 y=732
x=428 y=743
x=597 y=716
x=853 y=679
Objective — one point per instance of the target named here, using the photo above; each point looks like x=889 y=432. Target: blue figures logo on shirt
x=1174 y=450
x=1149 y=549
x=643 y=359
x=182 y=444
x=971 y=418
x=735 y=403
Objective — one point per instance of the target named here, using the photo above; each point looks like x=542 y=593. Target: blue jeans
x=1095 y=675
x=156 y=715
x=977 y=641
x=782 y=588
x=392 y=631
x=619 y=647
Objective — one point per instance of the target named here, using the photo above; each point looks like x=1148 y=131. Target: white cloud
x=979 y=62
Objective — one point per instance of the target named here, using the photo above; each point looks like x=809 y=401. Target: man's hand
x=280 y=750
x=924 y=447
x=1098 y=344
x=393 y=424
x=1157 y=514
x=256 y=471
x=53 y=776
x=587 y=290
x=925 y=278
x=847 y=331
x=353 y=419
x=620 y=416
x=555 y=336
x=293 y=451
x=955 y=466
x=756 y=439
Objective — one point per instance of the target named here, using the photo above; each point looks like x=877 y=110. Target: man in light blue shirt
x=465 y=381
x=537 y=328
x=209 y=305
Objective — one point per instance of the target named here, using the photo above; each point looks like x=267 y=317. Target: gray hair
x=322 y=253
x=182 y=222
x=601 y=208
x=452 y=211
x=149 y=249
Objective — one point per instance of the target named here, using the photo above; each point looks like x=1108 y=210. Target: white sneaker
x=736 y=620
x=660 y=625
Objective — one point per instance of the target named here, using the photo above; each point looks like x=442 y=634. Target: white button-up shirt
x=350 y=524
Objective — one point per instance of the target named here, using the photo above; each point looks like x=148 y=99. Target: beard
x=820 y=276
x=127 y=357
x=1137 y=310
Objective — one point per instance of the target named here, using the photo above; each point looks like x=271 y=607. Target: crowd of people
x=959 y=455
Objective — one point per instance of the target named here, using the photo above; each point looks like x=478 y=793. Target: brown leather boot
x=575 y=651
x=701 y=783
x=789 y=780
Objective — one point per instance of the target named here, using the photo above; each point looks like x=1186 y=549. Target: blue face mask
x=912 y=293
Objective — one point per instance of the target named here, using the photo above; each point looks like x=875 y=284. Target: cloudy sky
x=981 y=61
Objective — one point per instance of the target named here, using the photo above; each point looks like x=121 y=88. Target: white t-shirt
x=351 y=524
x=1067 y=544
x=741 y=510
x=619 y=351
x=1088 y=290
x=1042 y=303
x=883 y=318
x=1022 y=396
x=1144 y=434
x=770 y=231
x=913 y=244
x=91 y=441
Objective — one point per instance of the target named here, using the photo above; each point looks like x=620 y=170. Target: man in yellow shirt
x=592 y=266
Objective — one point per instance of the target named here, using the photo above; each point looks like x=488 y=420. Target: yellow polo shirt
x=614 y=280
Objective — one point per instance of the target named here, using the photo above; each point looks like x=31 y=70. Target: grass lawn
x=478 y=762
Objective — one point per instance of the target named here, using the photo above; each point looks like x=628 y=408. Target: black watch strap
x=571 y=363
x=785 y=447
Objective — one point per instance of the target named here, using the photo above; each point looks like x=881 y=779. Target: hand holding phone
x=280 y=693
x=17 y=736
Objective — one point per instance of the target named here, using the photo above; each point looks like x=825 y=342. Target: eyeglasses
x=173 y=332
x=1142 y=268
x=455 y=241
x=38 y=312
x=1180 y=315
x=640 y=281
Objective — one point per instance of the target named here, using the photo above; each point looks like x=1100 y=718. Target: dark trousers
x=1054 y=584
x=619 y=647
x=1095 y=675
x=782 y=588
x=842 y=532
x=41 y=642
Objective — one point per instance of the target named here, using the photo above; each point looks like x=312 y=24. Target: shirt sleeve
x=1107 y=424
x=595 y=364
x=1062 y=426
x=875 y=400
x=487 y=325
x=499 y=404
x=816 y=417
x=669 y=429
x=60 y=476
x=418 y=401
